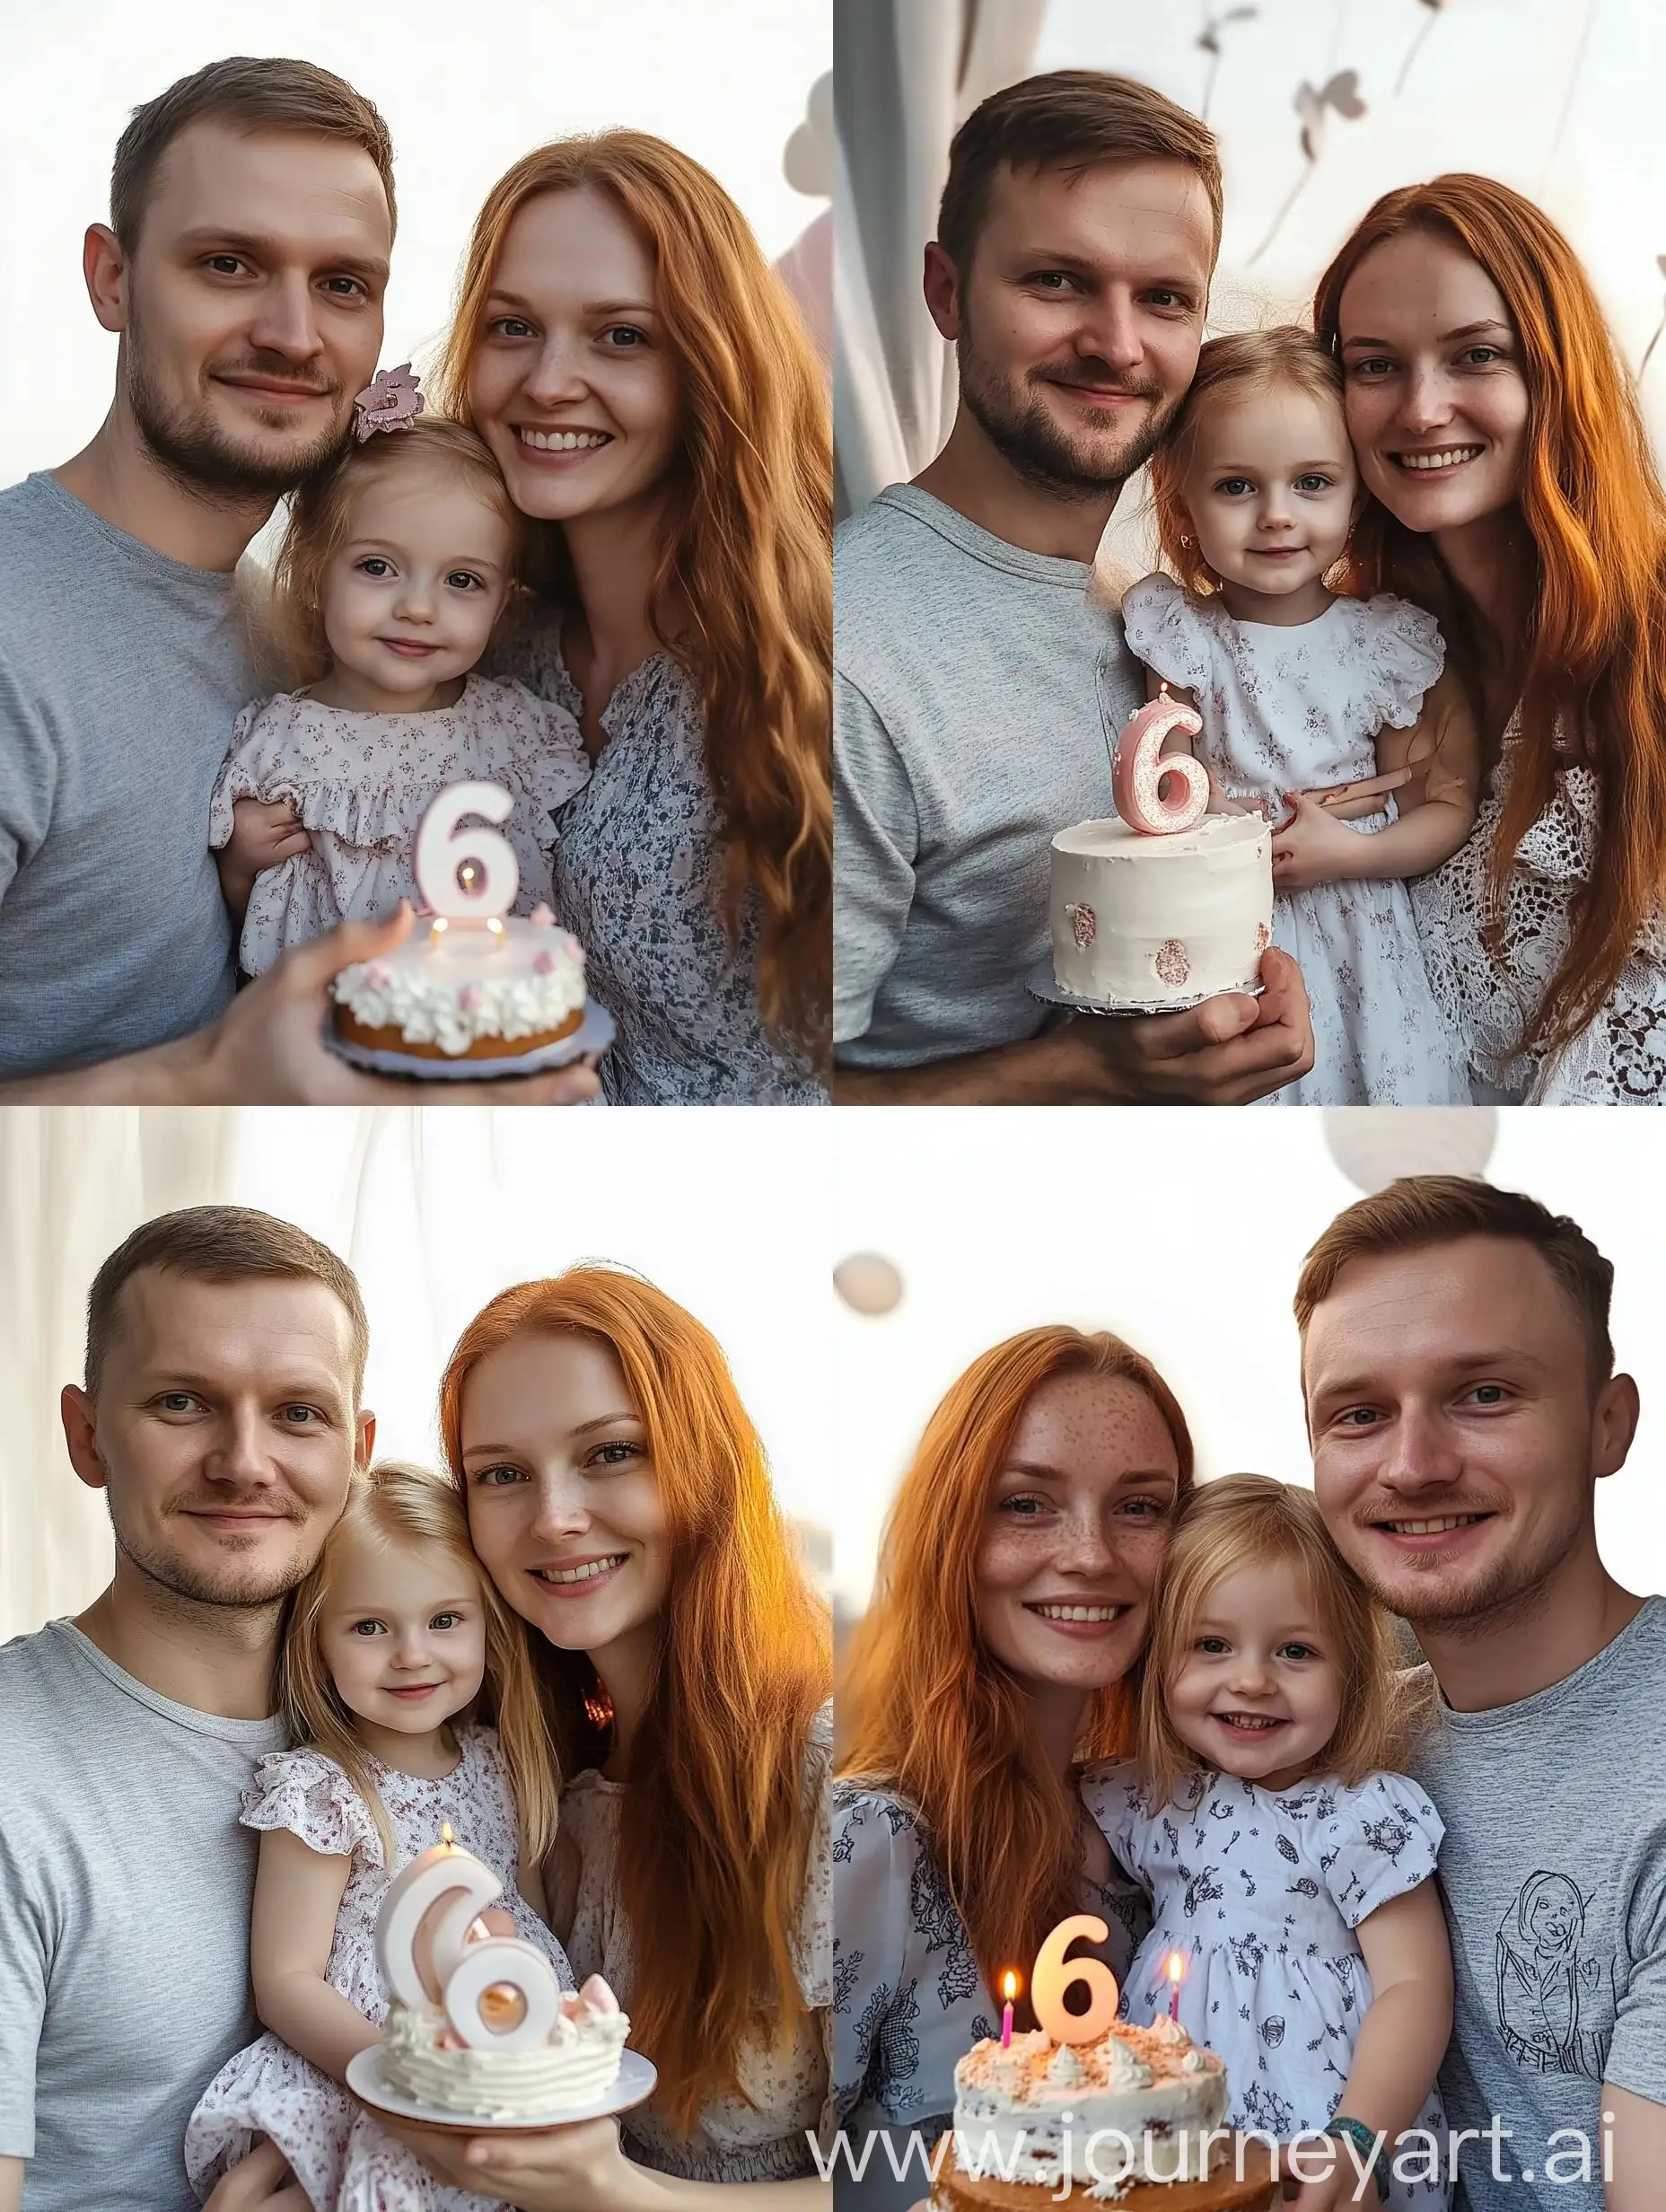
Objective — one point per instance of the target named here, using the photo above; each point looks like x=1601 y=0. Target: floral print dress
x=908 y=2000
x=341 y=2158
x=1261 y=1891
x=1293 y=708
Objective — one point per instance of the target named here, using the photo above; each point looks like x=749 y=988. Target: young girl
x=1290 y=1875
x=395 y=568
x=399 y=1652
x=1255 y=492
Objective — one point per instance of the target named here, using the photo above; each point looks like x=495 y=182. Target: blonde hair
x=395 y=1504
x=322 y=513
x=1286 y=357
x=1241 y=1521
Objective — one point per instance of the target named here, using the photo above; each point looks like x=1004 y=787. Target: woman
x=1514 y=497
x=1001 y=1651
x=617 y=1496
x=654 y=404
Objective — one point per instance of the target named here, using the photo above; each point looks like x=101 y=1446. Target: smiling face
x=572 y=383
x=1269 y=487
x=251 y=308
x=1257 y=1690
x=1435 y=393
x=224 y=1432
x=402 y=1631
x=1456 y=1429
x=1074 y=1533
x=564 y=1503
x=1078 y=322
x=410 y=595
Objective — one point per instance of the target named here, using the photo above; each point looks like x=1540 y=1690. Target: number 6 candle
x=466 y=874
x=1055 y=1973
x=1140 y=768
x=466 y=1972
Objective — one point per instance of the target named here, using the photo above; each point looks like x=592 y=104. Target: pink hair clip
x=390 y=401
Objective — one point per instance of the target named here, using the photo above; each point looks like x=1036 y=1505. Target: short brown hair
x=1253 y=1521
x=1285 y=356
x=1071 y=121
x=220 y=1244
x=322 y=511
x=259 y=94
x=1418 y=1211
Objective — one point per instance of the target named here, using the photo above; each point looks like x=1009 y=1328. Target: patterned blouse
x=638 y=881
x=907 y=1998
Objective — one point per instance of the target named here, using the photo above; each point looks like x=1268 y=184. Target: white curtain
x=906 y=74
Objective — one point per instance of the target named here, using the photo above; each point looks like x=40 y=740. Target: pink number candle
x=1140 y=769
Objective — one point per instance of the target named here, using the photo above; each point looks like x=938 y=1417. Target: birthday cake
x=1167 y=904
x=425 y=2058
x=465 y=991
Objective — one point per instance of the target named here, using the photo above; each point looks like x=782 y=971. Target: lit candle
x=1054 y=1974
x=1009 y=1990
x=441 y=1873
x=1174 y=1966
x=466 y=872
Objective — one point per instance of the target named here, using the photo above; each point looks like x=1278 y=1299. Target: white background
x=1184 y=1233
x=465 y=86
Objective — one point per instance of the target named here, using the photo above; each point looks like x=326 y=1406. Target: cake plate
x=594 y=1034
x=1042 y=983
x=1257 y=2191
x=634 y=2086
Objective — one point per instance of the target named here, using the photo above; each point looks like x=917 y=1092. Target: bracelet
x=1364 y=2141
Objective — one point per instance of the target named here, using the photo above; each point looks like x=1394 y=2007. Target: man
x=243 y=269
x=1462 y=1404
x=1076 y=238
x=221 y=1415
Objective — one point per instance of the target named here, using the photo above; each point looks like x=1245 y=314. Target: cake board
x=1042 y=983
x=594 y=1034
x=369 y=2087
x=1258 y=2191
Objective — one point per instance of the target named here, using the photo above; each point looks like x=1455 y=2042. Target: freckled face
x=1075 y=1527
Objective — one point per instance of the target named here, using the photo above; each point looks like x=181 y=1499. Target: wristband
x=1364 y=2141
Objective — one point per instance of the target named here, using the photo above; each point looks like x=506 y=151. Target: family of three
x=1413 y=587
x=589 y=565
x=1422 y=1909
x=308 y=1661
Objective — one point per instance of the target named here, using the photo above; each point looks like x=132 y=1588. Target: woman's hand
x=575 y=2169
x=1312 y=846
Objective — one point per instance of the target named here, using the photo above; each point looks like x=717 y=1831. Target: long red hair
x=747 y=538
x=929 y=1712
x=716 y=1826
x=1594 y=661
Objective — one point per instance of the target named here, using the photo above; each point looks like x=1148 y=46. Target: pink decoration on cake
x=1140 y=769
x=573 y=950
x=377 y=976
x=471 y=998
x=544 y=963
x=542 y=918
x=1263 y=937
x=1172 y=963
x=1083 y=926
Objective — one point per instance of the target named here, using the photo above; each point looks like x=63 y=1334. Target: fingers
x=308 y=969
x=1178 y=1036
x=249 y=2186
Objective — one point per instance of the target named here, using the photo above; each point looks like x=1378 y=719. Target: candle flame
x=1009 y=1985
x=496 y=926
x=445 y=1834
x=436 y=929
x=1174 y=1966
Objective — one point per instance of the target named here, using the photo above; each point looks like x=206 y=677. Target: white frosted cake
x=466 y=991
x=1141 y=920
x=1141 y=2105
x=424 y=2059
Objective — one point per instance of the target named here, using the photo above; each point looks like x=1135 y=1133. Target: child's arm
x=1403 y=2036
x=298 y=1892
x=262 y=836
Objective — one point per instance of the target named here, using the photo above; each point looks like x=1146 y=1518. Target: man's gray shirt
x=121 y=674
x=1554 y=1878
x=126 y=1885
x=965 y=731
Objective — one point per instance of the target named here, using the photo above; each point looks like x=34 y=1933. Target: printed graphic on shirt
x=1554 y=2013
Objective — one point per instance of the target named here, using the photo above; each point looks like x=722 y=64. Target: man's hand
x=259 y=2183
x=264 y=835
x=1226 y=1052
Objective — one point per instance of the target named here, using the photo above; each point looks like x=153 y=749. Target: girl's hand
x=579 y=2168
x=261 y=2183
x=1312 y=846
x=264 y=835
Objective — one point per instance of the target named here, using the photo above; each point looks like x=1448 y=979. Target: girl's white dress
x=1294 y=709
x=341 y=2158
x=361 y=785
x=1261 y=1891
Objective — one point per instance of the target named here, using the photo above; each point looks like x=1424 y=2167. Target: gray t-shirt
x=121 y=674
x=126 y=1884
x=1554 y=1877
x=966 y=731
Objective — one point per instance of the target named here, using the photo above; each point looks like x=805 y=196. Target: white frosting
x=579 y=2063
x=469 y=984
x=1141 y=919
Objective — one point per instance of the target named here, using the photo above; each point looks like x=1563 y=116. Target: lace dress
x=361 y=785
x=1260 y=1892
x=763 y=2136
x=1294 y=709
x=638 y=879
x=908 y=2000
x=1620 y=1058
x=339 y=2156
